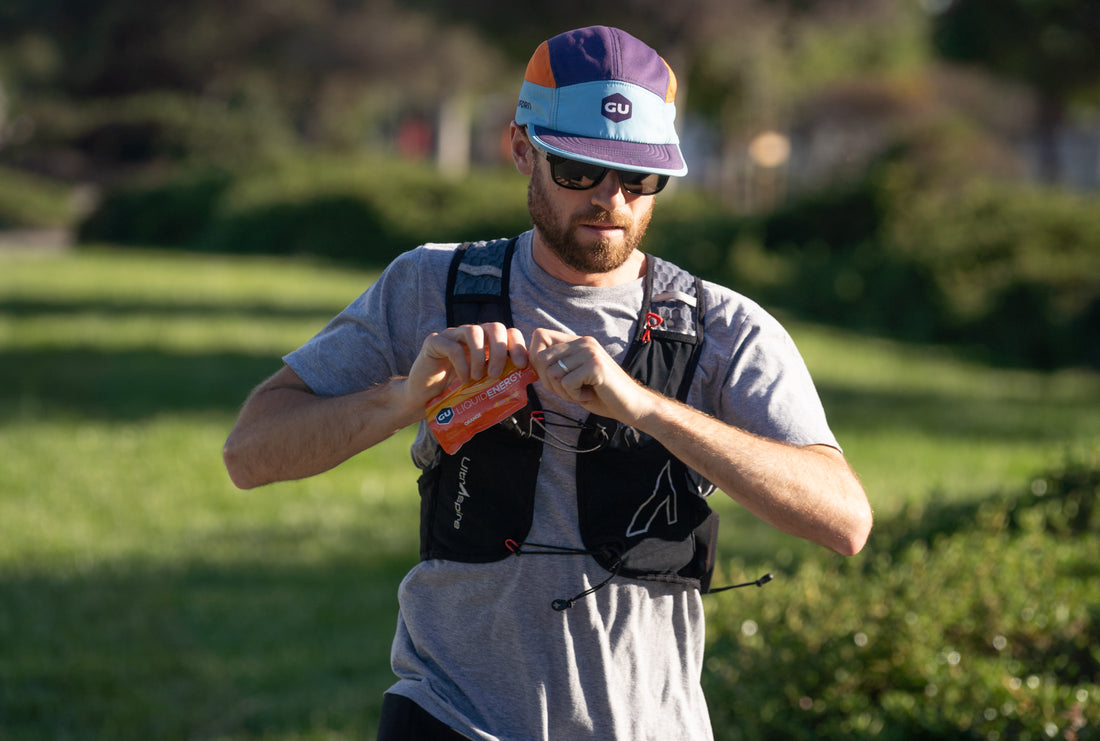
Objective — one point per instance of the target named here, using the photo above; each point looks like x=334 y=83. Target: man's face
x=592 y=231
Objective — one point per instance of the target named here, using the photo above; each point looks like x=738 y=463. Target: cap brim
x=662 y=159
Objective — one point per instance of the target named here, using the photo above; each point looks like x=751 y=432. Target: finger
x=496 y=343
x=564 y=370
x=471 y=337
x=547 y=348
x=576 y=368
x=447 y=348
x=517 y=348
x=544 y=338
x=539 y=342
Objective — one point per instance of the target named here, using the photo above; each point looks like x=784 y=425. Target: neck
x=548 y=260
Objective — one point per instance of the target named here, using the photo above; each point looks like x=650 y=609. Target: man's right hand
x=466 y=353
x=285 y=431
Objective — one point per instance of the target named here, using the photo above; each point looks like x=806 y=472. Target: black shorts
x=404 y=720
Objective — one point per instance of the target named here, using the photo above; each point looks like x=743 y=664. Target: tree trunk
x=455 y=125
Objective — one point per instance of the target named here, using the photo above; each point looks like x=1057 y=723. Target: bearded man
x=564 y=550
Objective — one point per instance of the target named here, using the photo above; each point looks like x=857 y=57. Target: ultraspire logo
x=617 y=107
x=463 y=494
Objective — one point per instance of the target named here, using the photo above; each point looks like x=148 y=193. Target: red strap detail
x=512 y=545
x=652 y=321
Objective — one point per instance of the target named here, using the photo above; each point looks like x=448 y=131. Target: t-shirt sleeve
x=758 y=380
x=379 y=334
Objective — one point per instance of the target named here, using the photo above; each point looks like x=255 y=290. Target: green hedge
x=171 y=214
x=977 y=624
x=30 y=201
x=364 y=210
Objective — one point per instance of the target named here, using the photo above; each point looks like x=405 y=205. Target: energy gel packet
x=464 y=410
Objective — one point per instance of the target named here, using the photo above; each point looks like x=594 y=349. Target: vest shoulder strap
x=676 y=296
x=477 y=283
x=669 y=336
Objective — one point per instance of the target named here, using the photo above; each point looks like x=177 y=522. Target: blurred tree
x=1053 y=46
x=318 y=67
x=740 y=64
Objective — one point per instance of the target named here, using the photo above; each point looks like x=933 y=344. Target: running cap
x=600 y=95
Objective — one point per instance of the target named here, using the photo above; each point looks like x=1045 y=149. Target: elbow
x=235 y=466
x=857 y=534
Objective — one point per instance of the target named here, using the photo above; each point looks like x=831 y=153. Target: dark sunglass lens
x=574 y=174
x=642 y=183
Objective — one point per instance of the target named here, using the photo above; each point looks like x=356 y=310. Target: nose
x=608 y=193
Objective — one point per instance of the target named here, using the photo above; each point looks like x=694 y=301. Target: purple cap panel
x=602 y=53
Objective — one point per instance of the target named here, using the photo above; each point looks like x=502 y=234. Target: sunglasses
x=576 y=175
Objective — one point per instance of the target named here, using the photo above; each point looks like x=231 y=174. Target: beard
x=602 y=256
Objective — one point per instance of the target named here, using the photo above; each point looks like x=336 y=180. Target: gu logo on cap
x=616 y=107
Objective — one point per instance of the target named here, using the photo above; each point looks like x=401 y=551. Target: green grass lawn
x=142 y=596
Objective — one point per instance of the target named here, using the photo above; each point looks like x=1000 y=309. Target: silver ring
x=563 y=366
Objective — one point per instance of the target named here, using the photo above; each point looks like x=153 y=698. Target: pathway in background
x=36 y=240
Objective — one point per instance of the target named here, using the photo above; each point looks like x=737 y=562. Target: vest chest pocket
x=478 y=498
x=647 y=508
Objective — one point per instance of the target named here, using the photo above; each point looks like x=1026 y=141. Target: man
x=564 y=552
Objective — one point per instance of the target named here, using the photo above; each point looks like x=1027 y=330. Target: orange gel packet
x=462 y=411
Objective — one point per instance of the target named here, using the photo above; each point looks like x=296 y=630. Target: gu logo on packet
x=464 y=410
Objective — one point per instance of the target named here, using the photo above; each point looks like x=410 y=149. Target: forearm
x=286 y=432
x=810 y=492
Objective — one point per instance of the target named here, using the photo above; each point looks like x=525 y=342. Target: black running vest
x=642 y=512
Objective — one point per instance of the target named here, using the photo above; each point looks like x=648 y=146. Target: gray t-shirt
x=478 y=645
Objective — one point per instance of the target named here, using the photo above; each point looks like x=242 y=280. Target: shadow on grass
x=129 y=384
x=198 y=650
x=136 y=307
x=993 y=417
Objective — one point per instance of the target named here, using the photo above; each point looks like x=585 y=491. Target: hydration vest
x=642 y=512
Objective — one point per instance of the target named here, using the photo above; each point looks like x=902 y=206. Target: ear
x=523 y=154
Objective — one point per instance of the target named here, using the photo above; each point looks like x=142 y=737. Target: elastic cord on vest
x=538 y=427
x=557 y=550
x=759 y=583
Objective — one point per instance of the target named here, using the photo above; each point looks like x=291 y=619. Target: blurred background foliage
x=922 y=168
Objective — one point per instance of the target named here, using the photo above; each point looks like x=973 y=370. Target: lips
x=602 y=221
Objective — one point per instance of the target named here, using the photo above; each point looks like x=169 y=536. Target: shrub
x=920 y=249
x=162 y=128
x=28 y=201
x=171 y=214
x=983 y=627
x=363 y=210
x=1017 y=265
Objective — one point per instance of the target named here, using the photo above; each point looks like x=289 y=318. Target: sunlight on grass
x=156 y=491
x=173 y=278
